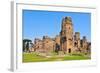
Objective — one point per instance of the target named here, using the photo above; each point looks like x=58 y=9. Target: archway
x=69 y=50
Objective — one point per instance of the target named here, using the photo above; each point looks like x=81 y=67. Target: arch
x=75 y=43
x=69 y=50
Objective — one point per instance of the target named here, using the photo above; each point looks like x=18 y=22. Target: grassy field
x=33 y=57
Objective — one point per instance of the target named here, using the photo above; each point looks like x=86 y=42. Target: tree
x=26 y=43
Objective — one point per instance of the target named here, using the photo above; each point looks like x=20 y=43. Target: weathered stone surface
x=67 y=35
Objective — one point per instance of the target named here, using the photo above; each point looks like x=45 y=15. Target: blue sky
x=37 y=23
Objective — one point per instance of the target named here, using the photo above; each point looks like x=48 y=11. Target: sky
x=37 y=24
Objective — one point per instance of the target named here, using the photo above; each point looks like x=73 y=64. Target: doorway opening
x=69 y=50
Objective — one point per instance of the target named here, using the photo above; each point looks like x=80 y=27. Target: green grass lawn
x=33 y=57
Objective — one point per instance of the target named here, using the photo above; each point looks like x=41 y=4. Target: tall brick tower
x=77 y=41
x=66 y=35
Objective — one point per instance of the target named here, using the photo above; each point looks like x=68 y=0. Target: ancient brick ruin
x=66 y=41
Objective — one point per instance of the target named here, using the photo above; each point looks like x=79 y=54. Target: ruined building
x=66 y=35
x=66 y=41
x=77 y=46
